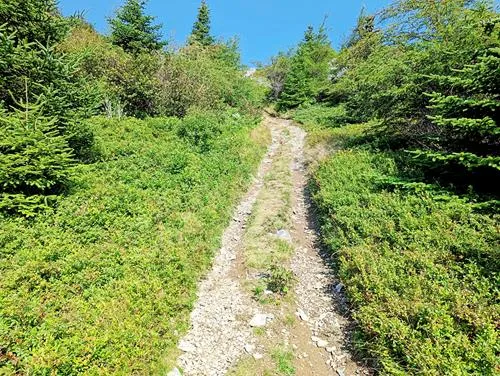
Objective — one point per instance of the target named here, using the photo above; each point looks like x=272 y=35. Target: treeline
x=427 y=73
x=57 y=72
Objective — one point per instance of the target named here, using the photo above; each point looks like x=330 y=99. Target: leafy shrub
x=421 y=269
x=204 y=77
x=200 y=129
x=321 y=115
x=280 y=279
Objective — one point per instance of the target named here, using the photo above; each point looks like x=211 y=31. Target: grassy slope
x=105 y=283
x=421 y=269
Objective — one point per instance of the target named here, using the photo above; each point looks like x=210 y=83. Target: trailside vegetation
x=409 y=208
x=120 y=162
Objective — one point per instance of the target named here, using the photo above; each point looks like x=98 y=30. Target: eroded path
x=271 y=305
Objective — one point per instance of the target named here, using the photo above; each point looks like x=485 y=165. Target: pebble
x=303 y=316
x=322 y=344
x=174 y=372
x=339 y=287
x=186 y=347
x=284 y=235
x=340 y=371
x=249 y=348
x=257 y=356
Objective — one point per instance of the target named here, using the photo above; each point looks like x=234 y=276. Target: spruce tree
x=465 y=113
x=309 y=69
x=33 y=69
x=133 y=30
x=201 y=28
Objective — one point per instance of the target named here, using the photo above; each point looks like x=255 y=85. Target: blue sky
x=264 y=27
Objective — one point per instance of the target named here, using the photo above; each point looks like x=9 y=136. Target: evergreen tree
x=464 y=115
x=34 y=70
x=33 y=20
x=34 y=160
x=201 y=28
x=133 y=30
x=309 y=69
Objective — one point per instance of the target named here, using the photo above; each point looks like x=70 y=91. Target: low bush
x=421 y=269
x=322 y=115
x=104 y=283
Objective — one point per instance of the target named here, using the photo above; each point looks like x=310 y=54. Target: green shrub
x=280 y=279
x=421 y=269
x=105 y=282
x=321 y=115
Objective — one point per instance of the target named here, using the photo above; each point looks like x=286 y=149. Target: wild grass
x=104 y=284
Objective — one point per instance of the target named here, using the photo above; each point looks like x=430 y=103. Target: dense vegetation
x=410 y=207
x=121 y=158
x=107 y=222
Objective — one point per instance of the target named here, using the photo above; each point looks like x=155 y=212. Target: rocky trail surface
x=306 y=333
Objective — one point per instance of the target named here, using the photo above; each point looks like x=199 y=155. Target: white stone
x=315 y=339
x=186 y=347
x=303 y=316
x=284 y=235
x=257 y=356
x=174 y=372
x=322 y=343
x=258 y=321
x=249 y=348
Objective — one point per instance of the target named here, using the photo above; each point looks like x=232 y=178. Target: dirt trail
x=221 y=336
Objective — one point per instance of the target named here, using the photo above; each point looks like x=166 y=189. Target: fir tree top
x=201 y=28
x=133 y=30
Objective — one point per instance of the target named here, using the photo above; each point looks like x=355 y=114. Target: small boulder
x=259 y=320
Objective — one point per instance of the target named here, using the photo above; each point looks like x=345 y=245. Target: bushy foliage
x=276 y=73
x=133 y=30
x=464 y=114
x=105 y=283
x=204 y=77
x=421 y=268
x=420 y=69
x=320 y=115
x=33 y=70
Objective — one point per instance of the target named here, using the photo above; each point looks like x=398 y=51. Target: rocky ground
x=230 y=327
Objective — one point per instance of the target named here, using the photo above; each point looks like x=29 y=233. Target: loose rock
x=284 y=235
x=174 y=372
x=259 y=320
x=186 y=347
